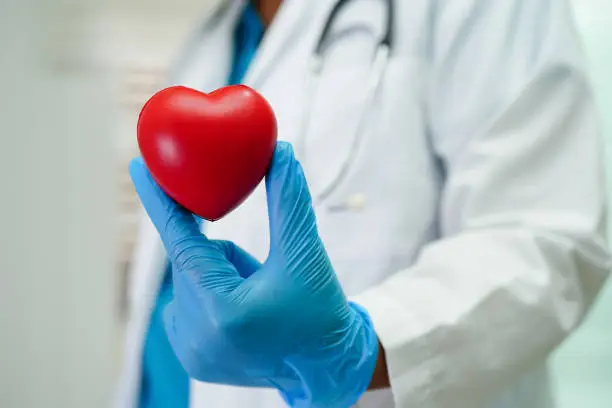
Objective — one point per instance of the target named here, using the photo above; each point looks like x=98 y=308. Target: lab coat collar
x=285 y=28
x=204 y=63
x=215 y=38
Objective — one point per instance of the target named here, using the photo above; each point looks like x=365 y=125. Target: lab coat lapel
x=287 y=26
x=146 y=272
x=206 y=60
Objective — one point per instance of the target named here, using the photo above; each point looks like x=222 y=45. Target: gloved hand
x=285 y=323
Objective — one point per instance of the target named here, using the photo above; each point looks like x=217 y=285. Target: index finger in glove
x=187 y=248
x=174 y=223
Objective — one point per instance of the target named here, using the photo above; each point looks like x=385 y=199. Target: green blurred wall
x=583 y=365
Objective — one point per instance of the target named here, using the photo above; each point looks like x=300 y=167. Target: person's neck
x=267 y=9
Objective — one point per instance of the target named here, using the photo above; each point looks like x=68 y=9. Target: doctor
x=460 y=206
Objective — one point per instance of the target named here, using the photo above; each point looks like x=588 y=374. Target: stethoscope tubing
x=314 y=70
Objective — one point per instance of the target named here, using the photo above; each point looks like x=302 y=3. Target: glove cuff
x=340 y=378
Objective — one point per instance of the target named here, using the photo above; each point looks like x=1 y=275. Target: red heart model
x=207 y=151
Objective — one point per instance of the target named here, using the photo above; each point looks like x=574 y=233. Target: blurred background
x=73 y=76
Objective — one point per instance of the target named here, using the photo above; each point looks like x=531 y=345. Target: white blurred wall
x=57 y=281
x=67 y=132
x=73 y=74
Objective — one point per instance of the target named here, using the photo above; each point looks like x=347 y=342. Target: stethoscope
x=315 y=67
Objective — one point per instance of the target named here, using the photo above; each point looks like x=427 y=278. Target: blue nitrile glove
x=284 y=324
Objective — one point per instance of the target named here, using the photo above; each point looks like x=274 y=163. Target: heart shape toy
x=208 y=152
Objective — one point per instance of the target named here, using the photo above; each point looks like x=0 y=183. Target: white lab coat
x=478 y=243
